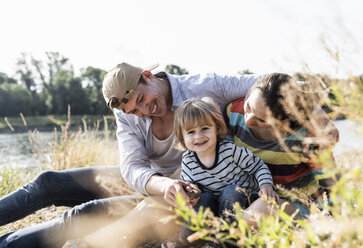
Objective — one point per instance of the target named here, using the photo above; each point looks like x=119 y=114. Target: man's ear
x=148 y=76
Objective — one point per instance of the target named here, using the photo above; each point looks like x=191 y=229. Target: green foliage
x=245 y=71
x=348 y=97
x=51 y=85
x=68 y=90
x=14 y=98
x=93 y=78
x=5 y=79
x=336 y=225
x=208 y=227
x=175 y=70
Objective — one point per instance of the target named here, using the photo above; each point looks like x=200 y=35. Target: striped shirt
x=286 y=166
x=233 y=166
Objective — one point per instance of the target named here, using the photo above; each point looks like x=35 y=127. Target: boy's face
x=201 y=139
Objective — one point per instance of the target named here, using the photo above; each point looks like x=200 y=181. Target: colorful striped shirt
x=233 y=166
x=286 y=166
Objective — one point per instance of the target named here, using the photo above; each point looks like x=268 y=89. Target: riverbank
x=51 y=122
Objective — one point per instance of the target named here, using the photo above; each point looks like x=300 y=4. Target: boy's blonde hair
x=197 y=112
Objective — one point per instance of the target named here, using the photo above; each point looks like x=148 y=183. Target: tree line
x=48 y=87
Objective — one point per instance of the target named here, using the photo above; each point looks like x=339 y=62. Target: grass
x=70 y=149
x=38 y=217
x=83 y=148
x=13 y=178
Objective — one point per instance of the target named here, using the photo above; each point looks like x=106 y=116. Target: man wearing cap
x=143 y=104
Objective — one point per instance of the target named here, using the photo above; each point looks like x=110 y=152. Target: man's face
x=256 y=114
x=148 y=101
x=255 y=110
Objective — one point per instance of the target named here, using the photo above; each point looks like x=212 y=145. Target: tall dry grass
x=86 y=146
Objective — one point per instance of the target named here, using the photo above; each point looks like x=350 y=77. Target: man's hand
x=178 y=186
x=269 y=192
x=321 y=133
x=313 y=144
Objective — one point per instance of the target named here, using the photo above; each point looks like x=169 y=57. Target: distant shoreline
x=49 y=123
x=23 y=129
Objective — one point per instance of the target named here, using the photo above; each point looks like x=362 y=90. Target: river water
x=18 y=150
x=23 y=149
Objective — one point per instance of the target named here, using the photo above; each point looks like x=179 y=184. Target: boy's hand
x=268 y=190
x=178 y=186
x=193 y=194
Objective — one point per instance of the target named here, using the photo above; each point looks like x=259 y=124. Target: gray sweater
x=134 y=133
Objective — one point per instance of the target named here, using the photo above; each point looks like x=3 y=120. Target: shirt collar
x=175 y=90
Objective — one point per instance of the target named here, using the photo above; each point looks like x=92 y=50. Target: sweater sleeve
x=134 y=159
x=221 y=88
x=237 y=86
x=253 y=166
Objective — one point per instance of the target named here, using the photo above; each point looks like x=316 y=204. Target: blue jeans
x=93 y=193
x=222 y=204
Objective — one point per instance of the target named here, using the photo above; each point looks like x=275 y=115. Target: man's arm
x=135 y=167
x=134 y=160
x=222 y=89
x=237 y=86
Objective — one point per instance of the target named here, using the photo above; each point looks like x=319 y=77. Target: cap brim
x=152 y=67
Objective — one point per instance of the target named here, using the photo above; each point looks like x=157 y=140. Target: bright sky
x=199 y=35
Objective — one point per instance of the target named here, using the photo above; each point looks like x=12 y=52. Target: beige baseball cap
x=121 y=82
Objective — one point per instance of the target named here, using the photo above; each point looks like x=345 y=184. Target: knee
x=231 y=190
x=41 y=184
x=207 y=199
x=106 y=208
x=46 y=178
x=230 y=196
x=95 y=207
x=48 y=185
x=258 y=209
x=234 y=193
x=52 y=181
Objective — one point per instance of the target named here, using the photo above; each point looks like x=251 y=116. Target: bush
x=14 y=98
